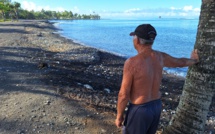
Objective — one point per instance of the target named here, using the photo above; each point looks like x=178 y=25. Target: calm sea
x=175 y=36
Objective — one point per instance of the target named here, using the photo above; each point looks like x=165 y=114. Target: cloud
x=174 y=8
x=27 y=5
x=60 y=9
x=196 y=10
x=132 y=10
x=75 y=9
x=186 y=11
x=188 y=8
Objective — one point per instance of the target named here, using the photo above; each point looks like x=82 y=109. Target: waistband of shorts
x=147 y=103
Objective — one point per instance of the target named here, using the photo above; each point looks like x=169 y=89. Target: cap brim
x=132 y=34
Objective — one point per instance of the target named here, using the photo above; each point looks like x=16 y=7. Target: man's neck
x=144 y=49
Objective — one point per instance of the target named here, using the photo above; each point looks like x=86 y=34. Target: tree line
x=13 y=11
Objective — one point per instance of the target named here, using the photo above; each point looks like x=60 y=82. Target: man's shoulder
x=131 y=61
x=162 y=54
x=156 y=51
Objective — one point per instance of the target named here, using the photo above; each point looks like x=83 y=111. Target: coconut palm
x=16 y=9
x=5 y=1
x=1 y=8
x=199 y=88
x=10 y=10
x=4 y=8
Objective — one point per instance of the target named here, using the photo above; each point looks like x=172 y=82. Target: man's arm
x=170 y=61
x=124 y=93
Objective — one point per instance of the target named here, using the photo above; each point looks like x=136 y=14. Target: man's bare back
x=147 y=74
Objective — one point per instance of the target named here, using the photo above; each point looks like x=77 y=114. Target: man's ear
x=137 y=41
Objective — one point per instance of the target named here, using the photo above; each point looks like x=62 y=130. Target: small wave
x=176 y=71
x=103 y=50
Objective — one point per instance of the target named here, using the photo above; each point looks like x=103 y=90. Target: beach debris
x=76 y=128
x=42 y=65
x=47 y=102
x=79 y=84
x=211 y=120
x=58 y=62
x=103 y=130
x=82 y=55
x=97 y=100
x=39 y=34
x=78 y=96
x=107 y=90
x=173 y=112
x=88 y=86
x=21 y=132
x=60 y=91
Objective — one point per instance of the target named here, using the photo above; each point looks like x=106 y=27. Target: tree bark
x=3 y=15
x=17 y=16
x=199 y=88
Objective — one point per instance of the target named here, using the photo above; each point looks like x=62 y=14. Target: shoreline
x=68 y=69
x=165 y=72
x=105 y=51
x=91 y=41
x=82 y=44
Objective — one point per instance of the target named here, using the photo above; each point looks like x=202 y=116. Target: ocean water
x=174 y=36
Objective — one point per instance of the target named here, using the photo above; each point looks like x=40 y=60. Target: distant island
x=13 y=11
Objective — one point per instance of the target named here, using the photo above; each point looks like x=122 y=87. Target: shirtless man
x=142 y=76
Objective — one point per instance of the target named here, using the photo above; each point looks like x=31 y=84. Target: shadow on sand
x=36 y=71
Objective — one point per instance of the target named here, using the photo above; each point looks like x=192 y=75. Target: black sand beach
x=51 y=85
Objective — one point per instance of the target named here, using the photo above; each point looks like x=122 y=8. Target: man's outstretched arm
x=170 y=61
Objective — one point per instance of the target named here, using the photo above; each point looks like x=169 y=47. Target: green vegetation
x=13 y=11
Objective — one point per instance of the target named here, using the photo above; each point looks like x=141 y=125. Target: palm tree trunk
x=3 y=14
x=16 y=14
x=199 y=88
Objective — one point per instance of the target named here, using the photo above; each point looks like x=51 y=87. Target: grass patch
x=2 y=20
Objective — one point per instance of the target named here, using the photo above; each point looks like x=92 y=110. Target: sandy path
x=28 y=104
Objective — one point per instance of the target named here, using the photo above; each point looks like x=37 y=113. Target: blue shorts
x=142 y=119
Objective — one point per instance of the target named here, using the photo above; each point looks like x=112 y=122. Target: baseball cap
x=145 y=31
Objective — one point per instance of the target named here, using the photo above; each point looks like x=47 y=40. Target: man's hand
x=194 y=55
x=119 y=122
